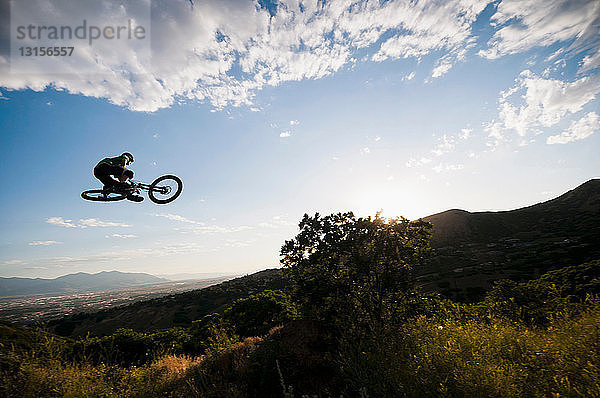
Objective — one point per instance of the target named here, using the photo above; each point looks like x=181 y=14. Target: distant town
x=40 y=308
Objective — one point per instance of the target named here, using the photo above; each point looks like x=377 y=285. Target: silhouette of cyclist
x=108 y=168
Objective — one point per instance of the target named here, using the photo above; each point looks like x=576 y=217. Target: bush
x=257 y=314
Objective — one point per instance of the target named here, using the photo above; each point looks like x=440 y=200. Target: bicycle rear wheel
x=165 y=189
x=99 y=195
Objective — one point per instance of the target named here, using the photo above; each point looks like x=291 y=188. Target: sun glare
x=392 y=201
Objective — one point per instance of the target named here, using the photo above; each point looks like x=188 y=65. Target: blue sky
x=412 y=108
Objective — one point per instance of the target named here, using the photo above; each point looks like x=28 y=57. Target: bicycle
x=163 y=190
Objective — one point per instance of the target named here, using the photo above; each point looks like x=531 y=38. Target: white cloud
x=542 y=104
x=285 y=134
x=294 y=122
x=83 y=223
x=121 y=236
x=44 y=243
x=61 y=222
x=13 y=262
x=445 y=144
x=465 y=133
x=442 y=68
x=529 y=23
x=176 y=217
x=276 y=222
x=197 y=51
x=94 y=222
x=199 y=227
x=578 y=130
x=412 y=162
x=447 y=167
x=590 y=62
x=410 y=76
x=216 y=229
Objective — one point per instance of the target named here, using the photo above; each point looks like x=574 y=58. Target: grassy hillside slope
x=471 y=250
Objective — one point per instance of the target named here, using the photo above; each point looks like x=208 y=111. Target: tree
x=257 y=314
x=347 y=268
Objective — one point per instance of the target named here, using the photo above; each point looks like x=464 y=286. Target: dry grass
x=176 y=365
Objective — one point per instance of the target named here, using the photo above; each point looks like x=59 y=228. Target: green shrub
x=257 y=314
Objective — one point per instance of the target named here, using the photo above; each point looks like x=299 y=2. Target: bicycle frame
x=146 y=187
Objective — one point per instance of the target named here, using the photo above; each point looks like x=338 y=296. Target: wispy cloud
x=276 y=222
x=525 y=24
x=285 y=134
x=445 y=144
x=121 y=236
x=83 y=223
x=94 y=222
x=216 y=229
x=578 y=130
x=465 y=133
x=447 y=167
x=13 y=262
x=198 y=227
x=61 y=222
x=176 y=217
x=410 y=76
x=541 y=103
x=44 y=243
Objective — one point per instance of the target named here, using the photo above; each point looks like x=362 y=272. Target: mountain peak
x=574 y=213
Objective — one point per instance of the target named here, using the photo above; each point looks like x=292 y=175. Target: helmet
x=128 y=156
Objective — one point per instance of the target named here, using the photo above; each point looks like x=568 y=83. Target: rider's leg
x=103 y=172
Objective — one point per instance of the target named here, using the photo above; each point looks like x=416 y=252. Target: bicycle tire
x=172 y=193
x=99 y=195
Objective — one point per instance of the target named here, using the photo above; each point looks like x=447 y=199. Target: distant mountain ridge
x=576 y=212
x=73 y=283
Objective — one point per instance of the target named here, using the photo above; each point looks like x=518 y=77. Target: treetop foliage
x=340 y=264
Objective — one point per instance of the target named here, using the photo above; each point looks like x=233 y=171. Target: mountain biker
x=108 y=168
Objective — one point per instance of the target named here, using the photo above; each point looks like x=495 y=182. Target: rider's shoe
x=135 y=198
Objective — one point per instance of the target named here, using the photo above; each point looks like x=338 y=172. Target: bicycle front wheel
x=99 y=195
x=165 y=189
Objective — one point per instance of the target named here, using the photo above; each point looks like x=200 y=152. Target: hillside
x=168 y=311
x=573 y=214
x=471 y=250
x=72 y=283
